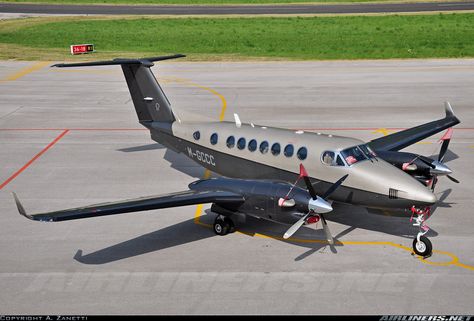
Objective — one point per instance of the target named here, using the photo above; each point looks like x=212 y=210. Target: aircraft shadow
x=142 y=148
x=175 y=235
x=315 y=239
x=448 y=157
x=183 y=164
x=361 y=218
x=308 y=237
x=177 y=161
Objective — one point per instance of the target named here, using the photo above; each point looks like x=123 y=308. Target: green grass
x=340 y=37
x=193 y=2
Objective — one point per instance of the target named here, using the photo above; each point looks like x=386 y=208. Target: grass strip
x=339 y=37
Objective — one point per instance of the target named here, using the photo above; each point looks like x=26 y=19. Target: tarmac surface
x=70 y=138
x=234 y=9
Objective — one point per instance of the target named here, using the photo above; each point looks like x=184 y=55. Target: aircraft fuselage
x=237 y=152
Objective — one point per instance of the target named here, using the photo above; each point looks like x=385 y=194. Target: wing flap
x=134 y=205
x=405 y=138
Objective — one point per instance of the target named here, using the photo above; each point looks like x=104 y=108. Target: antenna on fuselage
x=238 y=123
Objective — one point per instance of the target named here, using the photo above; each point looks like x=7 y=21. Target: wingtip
x=448 y=109
x=20 y=207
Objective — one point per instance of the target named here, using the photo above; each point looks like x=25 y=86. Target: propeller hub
x=440 y=169
x=319 y=205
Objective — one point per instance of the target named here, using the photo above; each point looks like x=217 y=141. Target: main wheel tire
x=231 y=225
x=221 y=227
x=424 y=247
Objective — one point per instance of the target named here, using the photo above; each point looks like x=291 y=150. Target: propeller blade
x=433 y=184
x=309 y=186
x=326 y=230
x=443 y=150
x=427 y=163
x=452 y=179
x=334 y=186
x=444 y=147
x=295 y=227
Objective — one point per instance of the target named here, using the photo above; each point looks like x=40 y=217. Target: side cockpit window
x=328 y=157
x=331 y=158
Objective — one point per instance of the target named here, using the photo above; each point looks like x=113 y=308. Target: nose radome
x=424 y=197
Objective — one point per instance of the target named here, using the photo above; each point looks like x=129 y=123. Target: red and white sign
x=82 y=49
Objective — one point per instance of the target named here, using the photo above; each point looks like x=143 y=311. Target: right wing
x=407 y=137
x=135 y=205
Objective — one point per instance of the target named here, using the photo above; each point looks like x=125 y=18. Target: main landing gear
x=421 y=244
x=223 y=225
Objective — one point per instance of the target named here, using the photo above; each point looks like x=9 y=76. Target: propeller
x=442 y=153
x=316 y=204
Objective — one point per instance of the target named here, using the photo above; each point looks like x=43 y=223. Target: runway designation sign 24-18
x=82 y=49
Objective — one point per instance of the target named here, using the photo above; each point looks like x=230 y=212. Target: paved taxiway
x=236 y=9
x=70 y=138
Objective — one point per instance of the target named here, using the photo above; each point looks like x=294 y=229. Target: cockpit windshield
x=368 y=151
x=356 y=154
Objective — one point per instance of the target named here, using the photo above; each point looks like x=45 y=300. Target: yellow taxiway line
x=25 y=71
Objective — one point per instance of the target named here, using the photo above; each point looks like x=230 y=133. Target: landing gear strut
x=223 y=225
x=421 y=244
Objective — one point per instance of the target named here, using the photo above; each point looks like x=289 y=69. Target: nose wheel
x=421 y=244
x=223 y=225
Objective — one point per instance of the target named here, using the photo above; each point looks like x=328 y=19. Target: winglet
x=20 y=207
x=448 y=109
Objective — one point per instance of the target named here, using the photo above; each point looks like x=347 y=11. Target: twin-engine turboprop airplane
x=277 y=174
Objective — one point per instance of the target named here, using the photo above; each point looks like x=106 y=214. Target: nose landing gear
x=421 y=244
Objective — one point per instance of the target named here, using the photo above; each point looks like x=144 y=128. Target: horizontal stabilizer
x=121 y=61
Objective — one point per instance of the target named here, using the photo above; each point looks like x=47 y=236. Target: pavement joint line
x=31 y=161
x=199 y=208
x=25 y=71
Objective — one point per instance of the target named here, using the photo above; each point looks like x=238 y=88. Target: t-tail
x=151 y=104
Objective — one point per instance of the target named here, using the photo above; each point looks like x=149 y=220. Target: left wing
x=135 y=205
x=405 y=138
